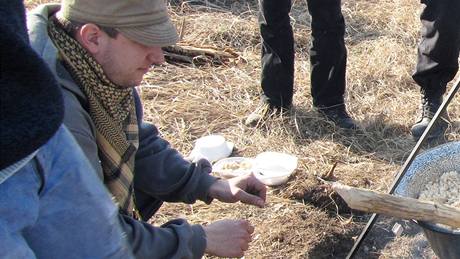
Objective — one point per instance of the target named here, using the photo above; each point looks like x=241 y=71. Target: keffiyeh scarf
x=112 y=110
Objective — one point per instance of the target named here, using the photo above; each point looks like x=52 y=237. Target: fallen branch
x=400 y=207
x=179 y=58
x=199 y=55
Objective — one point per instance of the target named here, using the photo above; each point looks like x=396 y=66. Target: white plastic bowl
x=224 y=166
x=212 y=148
x=274 y=168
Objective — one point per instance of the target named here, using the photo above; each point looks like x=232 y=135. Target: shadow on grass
x=377 y=137
x=334 y=244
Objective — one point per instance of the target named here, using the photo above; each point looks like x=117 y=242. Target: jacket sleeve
x=174 y=239
x=163 y=173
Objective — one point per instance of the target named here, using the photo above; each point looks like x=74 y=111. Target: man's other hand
x=228 y=238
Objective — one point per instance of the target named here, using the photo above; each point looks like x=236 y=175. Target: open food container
x=271 y=168
x=274 y=168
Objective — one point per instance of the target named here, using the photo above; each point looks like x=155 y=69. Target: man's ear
x=91 y=37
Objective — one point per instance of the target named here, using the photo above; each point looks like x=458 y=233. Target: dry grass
x=300 y=220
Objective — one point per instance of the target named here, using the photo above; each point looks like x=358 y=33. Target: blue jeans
x=56 y=207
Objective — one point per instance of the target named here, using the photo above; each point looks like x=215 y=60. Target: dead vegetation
x=302 y=219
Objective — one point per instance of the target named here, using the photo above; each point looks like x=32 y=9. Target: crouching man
x=100 y=50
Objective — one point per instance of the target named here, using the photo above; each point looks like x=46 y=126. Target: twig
x=182 y=29
x=330 y=175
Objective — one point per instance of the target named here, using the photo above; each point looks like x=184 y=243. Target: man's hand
x=228 y=238
x=246 y=188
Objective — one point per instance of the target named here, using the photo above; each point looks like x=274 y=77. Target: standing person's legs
x=277 y=77
x=277 y=58
x=328 y=58
x=56 y=207
x=437 y=59
x=328 y=55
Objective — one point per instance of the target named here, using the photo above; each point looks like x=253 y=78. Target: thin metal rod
x=405 y=167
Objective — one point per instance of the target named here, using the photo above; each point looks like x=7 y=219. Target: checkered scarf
x=111 y=109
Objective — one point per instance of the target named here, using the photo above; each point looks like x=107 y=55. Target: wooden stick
x=196 y=51
x=200 y=55
x=400 y=207
x=182 y=29
x=330 y=175
x=177 y=57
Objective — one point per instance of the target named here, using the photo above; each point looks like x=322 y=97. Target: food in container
x=233 y=166
x=445 y=190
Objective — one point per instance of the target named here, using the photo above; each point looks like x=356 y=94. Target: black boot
x=339 y=115
x=429 y=107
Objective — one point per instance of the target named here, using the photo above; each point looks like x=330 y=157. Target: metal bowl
x=427 y=167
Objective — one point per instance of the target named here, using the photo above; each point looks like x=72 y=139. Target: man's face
x=125 y=62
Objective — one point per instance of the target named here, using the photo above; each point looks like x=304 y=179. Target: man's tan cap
x=144 y=21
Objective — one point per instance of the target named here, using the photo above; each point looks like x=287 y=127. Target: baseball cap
x=143 y=21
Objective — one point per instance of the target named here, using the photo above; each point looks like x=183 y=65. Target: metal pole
x=406 y=165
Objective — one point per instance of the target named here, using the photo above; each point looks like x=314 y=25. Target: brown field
x=302 y=219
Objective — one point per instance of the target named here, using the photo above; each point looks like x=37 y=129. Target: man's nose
x=156 y=56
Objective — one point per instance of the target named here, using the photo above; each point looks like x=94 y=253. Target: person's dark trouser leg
x=328 y=58
x=438 y=50
x=437 y=60
x=277 y=77
x=328 y=55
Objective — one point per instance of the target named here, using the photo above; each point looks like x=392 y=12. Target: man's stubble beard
x=112 y=70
